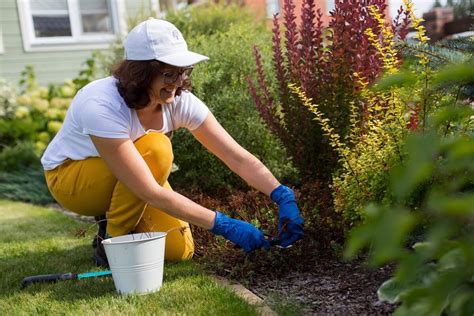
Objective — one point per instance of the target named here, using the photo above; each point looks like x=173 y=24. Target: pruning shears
x=275 y=240
x=62 y=277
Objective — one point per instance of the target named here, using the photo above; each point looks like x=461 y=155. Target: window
x=273 y=7
x=68 y=24
x=330 y=4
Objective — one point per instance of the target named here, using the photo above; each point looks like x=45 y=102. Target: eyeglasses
x=170 y=77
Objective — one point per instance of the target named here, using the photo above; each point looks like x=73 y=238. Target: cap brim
x=183 y=59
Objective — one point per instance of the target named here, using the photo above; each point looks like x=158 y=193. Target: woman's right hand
x=239 y=232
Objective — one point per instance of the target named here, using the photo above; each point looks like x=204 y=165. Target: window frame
x=2 y=48
x=76 y=41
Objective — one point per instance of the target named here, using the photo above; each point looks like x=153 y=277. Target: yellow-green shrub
x=375 y=142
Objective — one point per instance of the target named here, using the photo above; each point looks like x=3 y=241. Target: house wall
x=435 y=20
x=260 y=7
x=53 y=66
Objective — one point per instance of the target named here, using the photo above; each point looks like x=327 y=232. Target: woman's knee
x=157 y=152
x=179 y=239
x=179 y=245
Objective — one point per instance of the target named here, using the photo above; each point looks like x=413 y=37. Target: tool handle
x=47 y=278
x=94 y=274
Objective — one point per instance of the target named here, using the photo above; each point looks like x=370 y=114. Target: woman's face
x=164 y=87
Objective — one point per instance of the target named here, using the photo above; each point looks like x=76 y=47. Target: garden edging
x=246 y=295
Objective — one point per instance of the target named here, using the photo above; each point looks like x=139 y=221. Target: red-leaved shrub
x=323 y=61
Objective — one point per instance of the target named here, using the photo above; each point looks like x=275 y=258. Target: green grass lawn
x=36 y=240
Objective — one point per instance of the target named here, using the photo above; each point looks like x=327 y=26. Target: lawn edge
x=247 y=295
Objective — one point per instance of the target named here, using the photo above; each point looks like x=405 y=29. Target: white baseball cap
x=160 y=40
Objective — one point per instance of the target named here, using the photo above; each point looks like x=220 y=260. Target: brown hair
x=134 y=80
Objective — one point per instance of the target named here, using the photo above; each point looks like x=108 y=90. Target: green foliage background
x=226 y=35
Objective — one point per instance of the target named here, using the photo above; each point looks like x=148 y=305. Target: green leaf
x=459 y=73
x=460 y=205
x=414 y=270
x=462 y=302
x=439 y=236
x=359 y=237
x=390 y=234
x=433 y=298
x=460 y=149
x=385 y=229
x=452 y=260
x=449 y=113
x=420 y=308
x=399 y=79
x=418 y=169
x=390 y=291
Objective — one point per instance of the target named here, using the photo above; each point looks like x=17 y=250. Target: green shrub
x=221 y=84
x=17 y=132
x=28 y=121
x=27 y=185
x=194 y=20
x=31 y=119
x=18 y=156
x=209 y=19
x=433 y=196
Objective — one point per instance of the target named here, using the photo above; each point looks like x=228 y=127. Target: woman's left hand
x=290 y=224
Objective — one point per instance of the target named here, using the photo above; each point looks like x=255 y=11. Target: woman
x=112 y=156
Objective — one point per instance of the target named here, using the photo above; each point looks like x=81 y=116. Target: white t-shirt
x=99 y=110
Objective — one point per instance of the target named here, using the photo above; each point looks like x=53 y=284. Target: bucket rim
x=109 y=241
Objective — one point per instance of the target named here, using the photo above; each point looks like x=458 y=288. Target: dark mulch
x=310 y=275
x=322 y=284
x=333 y=288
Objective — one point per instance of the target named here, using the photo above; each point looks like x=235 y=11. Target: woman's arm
x=126 y=163
x=216 y=139
x=128 y=166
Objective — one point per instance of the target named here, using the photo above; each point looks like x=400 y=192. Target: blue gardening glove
x=239 y=232
x=288 y=213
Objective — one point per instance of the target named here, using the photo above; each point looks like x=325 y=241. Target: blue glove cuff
x=282 y=194
x=219 y=222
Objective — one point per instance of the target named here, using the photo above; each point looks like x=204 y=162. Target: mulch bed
x=311 y=274
x=331 y=288
x=316 y=283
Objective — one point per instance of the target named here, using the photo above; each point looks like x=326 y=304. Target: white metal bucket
x=136 y=261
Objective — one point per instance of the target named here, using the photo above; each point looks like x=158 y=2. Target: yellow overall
x=87 y=187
